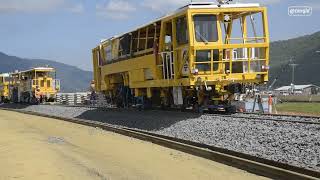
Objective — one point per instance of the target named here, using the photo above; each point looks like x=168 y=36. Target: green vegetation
x=303 y=108
x=303 y=50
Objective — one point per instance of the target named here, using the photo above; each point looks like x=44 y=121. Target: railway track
x=259 y=166
x=248 y=116
x=265 y=117
x=277 y=118
x=251 y=116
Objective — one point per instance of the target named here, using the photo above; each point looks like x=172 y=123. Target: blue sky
x=67 y=30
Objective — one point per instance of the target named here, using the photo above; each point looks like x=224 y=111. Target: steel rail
x=255 y=165
x=286 y=115
x=236 y=154
x=265 y=118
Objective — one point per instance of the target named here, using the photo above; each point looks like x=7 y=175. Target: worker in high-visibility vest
x=270 y=101
x=38 y=94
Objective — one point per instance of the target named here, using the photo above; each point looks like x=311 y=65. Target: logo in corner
x=300 y=11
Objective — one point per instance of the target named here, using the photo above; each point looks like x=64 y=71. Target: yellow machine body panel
x=4 y=85
x=39 y=83
x=198 y=45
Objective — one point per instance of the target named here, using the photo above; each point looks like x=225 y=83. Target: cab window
x=182 y=31
x=205 y=28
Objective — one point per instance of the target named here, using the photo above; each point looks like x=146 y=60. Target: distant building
x=309 y=89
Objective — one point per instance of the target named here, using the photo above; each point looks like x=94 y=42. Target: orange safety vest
x=270 y=100
x=37 y=94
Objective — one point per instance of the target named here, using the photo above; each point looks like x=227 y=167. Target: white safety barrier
x=82 y=98
x=77 y=98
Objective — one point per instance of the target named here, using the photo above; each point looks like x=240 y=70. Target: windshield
x=205 y=27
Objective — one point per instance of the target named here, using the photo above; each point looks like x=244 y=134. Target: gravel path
x=293 y=143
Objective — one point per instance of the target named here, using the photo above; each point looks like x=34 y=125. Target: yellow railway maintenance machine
x=4 y=87
x=34 y=86
x=197 y=56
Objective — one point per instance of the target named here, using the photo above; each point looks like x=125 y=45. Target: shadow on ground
x=145 y=120
x=14 y=106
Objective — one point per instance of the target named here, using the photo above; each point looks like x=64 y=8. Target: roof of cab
x=46 y=69
x=4 y=75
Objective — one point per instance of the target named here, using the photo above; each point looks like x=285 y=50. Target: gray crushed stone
x=291 y=143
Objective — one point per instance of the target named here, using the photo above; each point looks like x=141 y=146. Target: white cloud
x=263 y=2
x=170 y=5
x=29 y=5
x=164 y=5
x=115 y=9
x=38 y=6
x=76 y=8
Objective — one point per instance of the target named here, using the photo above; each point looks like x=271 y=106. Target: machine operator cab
x=219 y=48
x=198 y=55
x=35 y=85
x=226 y=41
x=4 y=87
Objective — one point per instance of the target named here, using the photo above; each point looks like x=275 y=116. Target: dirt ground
x=33 y=147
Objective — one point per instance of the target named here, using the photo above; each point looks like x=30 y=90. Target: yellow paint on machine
x=197 y=45
x=4 y=86
x=32 y=83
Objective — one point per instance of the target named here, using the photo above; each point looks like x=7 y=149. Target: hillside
x=72 y=78
x=303 y=50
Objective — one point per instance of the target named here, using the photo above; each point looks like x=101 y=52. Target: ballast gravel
x=292 y=143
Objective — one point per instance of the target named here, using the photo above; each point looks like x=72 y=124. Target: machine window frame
x=203 y=60
x=48 y=83
x=41 y=83
x=211 y=61
x=202 y=37
x=108 y=51
x=182 y=31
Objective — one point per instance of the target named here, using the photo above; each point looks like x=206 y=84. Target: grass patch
x=310 y=108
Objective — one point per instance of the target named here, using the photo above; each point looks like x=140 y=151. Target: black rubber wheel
x=195 y=108
x=231 y=110
x=212 y=111
x=183 y=108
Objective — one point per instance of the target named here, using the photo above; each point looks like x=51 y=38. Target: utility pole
x=293 y=65
x=293 y=70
